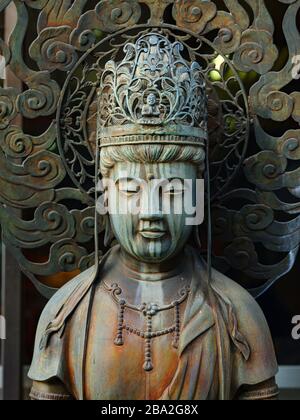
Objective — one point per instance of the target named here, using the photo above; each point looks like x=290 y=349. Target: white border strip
x=289 y=377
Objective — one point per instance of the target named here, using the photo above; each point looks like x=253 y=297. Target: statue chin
x=154 y=247
x=150 y=257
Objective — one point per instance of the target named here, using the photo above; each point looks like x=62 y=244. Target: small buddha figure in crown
x=151 y=321
x=150 y=109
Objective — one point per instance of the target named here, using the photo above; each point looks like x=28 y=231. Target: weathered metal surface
x=51 y=175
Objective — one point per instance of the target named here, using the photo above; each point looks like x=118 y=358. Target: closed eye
x=129 y=186
x=174 y=188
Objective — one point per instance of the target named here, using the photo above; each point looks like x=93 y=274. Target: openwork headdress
x=152 y=96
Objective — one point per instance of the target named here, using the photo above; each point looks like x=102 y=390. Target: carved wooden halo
x=228 y=107
x=256 y=217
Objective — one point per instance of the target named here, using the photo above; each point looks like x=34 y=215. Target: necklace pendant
x=148 y=366
x=119 y=341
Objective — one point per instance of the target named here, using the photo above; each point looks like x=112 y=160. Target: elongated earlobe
x=197 y=238
x=109 y=234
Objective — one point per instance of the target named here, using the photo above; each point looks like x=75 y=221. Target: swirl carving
x=40 y=99
x=16 y=144
x=108 y=16
x=66 y=255
x=229 y=32
x=254 y=218
x=52 y=51
x=54 y=221
x=8 y=109
x=44 y=170
x=194 y=15
x=268 y=171
x=289 y=145
x=265 y=169
x=257 y=52
x=241 y=254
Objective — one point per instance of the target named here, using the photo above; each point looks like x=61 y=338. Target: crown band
x=128 y=134
x=149 y=139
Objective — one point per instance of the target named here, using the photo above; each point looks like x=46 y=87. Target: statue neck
x=152 y=271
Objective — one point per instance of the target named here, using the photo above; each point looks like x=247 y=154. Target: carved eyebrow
x=142 y=181
x=126 y=179
x=175 y=178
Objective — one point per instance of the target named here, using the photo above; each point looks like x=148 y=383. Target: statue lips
x=153 y=233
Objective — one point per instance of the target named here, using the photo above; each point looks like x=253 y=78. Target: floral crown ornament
x=152 y=96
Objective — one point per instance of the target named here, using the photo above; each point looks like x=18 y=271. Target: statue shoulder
x=59 y=298
x=252 y=325
x=245 y=306
x=238 y=298
x=46 y=362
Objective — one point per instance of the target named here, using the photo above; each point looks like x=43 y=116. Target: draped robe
x=225 y=345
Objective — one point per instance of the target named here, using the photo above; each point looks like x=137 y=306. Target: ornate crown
x=152 y=96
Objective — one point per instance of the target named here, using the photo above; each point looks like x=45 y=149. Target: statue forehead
x=186 y=170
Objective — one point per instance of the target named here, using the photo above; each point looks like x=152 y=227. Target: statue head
x=151 y=99
x=152 y=156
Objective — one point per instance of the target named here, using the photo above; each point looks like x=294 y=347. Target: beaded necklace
x=149 y=311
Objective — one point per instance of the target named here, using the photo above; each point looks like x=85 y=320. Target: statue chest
x=125 y=364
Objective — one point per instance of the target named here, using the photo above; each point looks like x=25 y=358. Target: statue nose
x=150 y=205
x=151 y=216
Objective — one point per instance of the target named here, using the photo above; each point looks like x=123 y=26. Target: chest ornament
x=149 y=311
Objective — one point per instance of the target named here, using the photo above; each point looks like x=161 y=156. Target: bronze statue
x=152 y=320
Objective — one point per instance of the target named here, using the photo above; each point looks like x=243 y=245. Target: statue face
x=154 y=232
x=151 y=100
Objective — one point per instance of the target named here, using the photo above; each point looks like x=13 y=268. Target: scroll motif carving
x=108 y=16
x=8 y=109
x=194 y=15
x=257 y=52
x=52 y=51
x=267 y=99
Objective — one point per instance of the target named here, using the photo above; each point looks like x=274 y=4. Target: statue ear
x=197 y=238
x=109 y=234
